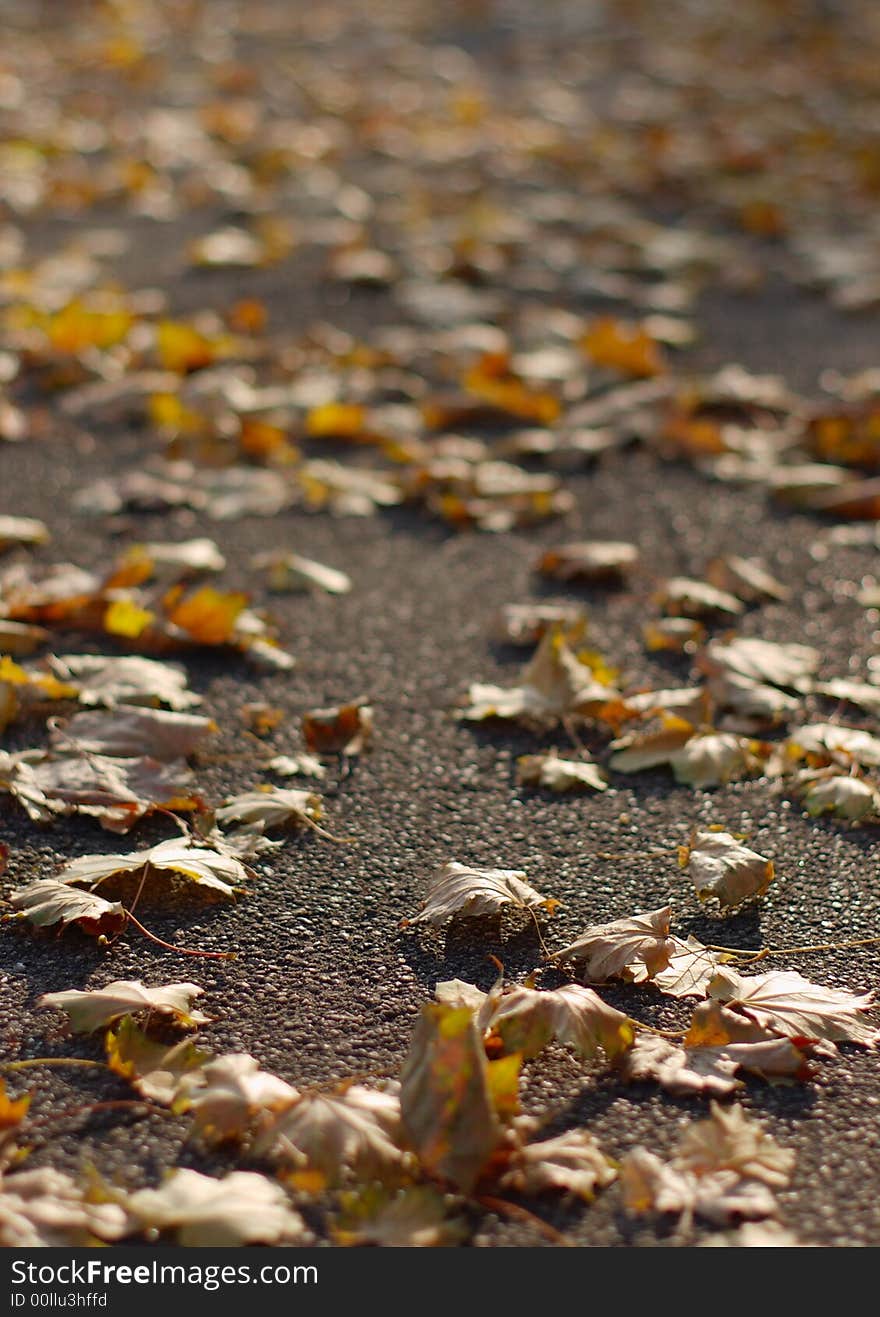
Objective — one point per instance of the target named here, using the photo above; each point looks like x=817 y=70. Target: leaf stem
x=750 y=956
x=52 y=1060
x=181 y=951
x=519 y=1213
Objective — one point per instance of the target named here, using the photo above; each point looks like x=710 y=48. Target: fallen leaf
x=342 y=729
x=45 y=1208
x=155 y=1070
x=609 y=951
x=571 y=1163
x=206 y=868
x=230 y=1096
x=88 y=1011
x=722 y=867
x=559 y=774
x=48 y=901
x=681 y=596
x=415 y=1217
x=786 y=1003
x=527 y=1020
x=290 y=571
x=355 y=1131
x=270 y=807
x=457 y=889
x=129 y=731
x=125 y=680
x=446 y=1106
x=594 y=561
x=240 y=1208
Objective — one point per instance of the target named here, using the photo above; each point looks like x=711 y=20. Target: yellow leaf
x=338 y=420
x=126 y=618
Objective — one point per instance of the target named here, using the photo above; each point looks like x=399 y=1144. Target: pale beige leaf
x=88 y=1011
x=786 y=1003
x=230 y=1096
x=45 y=1208
x=722 y=867
x=571 y=1163
x=558 y=774
x=354 y=1131
x=129 y=679
x=681 y=596
x=240 y=1208
x=457 y=889
x=576 y=1017
x=48 y=901
x=206 y=868
x=129 y=732
x=730 y=1140
x=270 y=807
x=609 y=951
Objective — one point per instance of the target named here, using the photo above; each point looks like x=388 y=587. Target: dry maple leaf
x=571 y=1163
x=457 y=889
x=609 y=951
x=270 y=807
x=724 y=1169
x=722 y=867
x=701 y=759
x=125 y=680
x=556 y=684
x=681 y=1071
x=290 y=571
x=88 y=1011
x=730 y=1140
x=208 y=869
x=356 y=1130
x=650 y=1185
x=448 y=1107
x=594 y=561
x=558 y=774
x=48 y=901
x=682 y=597
x=711 y=1069
x=834 y=743
x=230 y=1095
x=414 y=1217
x=117 y=792
x=526 y=624
x=690 y=969
x=790 y=665
x=130 y=732
x=342 y=729
x=240 y=1208
x=784 y=1002
x=45 y=1208
x=155 y=1070
x=527 y=1020
x=828 y=791
x=747 y=578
